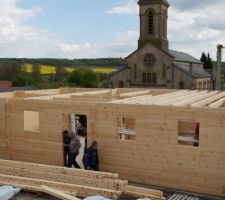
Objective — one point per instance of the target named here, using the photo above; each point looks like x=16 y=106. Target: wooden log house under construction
x=168 y=138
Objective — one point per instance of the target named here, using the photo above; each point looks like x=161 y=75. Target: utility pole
x=218 y=67
x=53 y=80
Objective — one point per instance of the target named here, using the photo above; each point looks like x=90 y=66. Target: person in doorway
x=74 y=150
x=196 y=135
x=66 y=147
x=90 y=159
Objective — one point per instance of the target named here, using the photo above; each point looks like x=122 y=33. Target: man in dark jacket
x=74 y=150
x=66 y=147
x=90 y=158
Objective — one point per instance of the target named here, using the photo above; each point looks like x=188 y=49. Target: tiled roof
x=183 y=57
x=197 y=72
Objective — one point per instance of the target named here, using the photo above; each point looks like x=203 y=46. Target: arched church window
x=135 y=71
x=149 y=60
x=154 y=78
x=149 y=78
x=144 y=77
x=164 y=23
x=164 y=71
x=151 y=22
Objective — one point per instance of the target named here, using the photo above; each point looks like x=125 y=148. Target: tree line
x=106 y=62
x=11 y=69
x=81 y=77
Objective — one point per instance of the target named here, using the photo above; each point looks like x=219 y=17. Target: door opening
x=76 y=123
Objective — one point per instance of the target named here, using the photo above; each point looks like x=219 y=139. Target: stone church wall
x=121 y=79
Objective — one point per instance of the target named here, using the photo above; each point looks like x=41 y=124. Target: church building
x=153 y=64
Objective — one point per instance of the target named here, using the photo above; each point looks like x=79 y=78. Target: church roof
x=118 y=71
x=183 y=57
x=196 y=72
x=147 y=2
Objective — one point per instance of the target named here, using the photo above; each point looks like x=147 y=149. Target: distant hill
x=105 y=62
x=222 y=66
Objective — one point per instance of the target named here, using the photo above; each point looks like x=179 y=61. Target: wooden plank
x=83 y=191
x=157 y=98
x=217 y=104
x=60 y=177
x=210 y=100
x=133 y=94
x=55 y=169
x=57 y=193
x=168 y=102
x=121 y=101
x=197 y=98
x=144 y=192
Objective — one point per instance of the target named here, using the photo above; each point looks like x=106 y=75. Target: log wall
x=44 y=146
x=3 y=126
x=155 y=157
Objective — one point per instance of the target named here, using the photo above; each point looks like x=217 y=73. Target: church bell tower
x=153 y=23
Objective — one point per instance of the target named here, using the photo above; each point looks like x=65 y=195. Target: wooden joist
x=143 y=199
x=59 y=181
x=127 y=100
x=195 y=99
x=158 y=98
x=65 y=175
x=55 y=169
x=57 y=193
x=217 y=104
x=168 y=102
x=144 y=192
x=82 y=190
x=133 y=94
x=208 y=101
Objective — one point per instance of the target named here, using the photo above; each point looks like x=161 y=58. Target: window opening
x=31 y=121
x=126 y=128
x=188 y=133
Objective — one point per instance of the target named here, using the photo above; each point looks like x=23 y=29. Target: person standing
x=90 y=159
x=66 y=147
x=74 y=150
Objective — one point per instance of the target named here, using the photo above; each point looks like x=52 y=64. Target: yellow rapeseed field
x=47 y=69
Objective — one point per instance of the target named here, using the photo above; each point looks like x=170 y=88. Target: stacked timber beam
x=83 y=183
x=145 y=193
x=59 y=180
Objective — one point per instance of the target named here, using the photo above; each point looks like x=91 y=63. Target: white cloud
x=192 y=31
x=68 y=50
x=120 y=46
x=130 y=8
x=17 y=39
x=193 y=26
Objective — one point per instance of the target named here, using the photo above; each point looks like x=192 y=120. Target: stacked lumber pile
x=65 y=183
x=145 y=193
x=73 y=181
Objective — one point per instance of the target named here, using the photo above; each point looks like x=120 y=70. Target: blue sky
x=102 y=28
x=80 y=20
